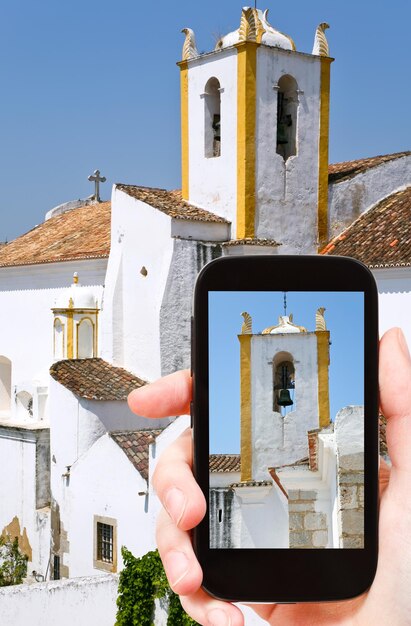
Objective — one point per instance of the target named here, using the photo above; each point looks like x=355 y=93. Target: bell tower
x=254 y=120
x=284 y=392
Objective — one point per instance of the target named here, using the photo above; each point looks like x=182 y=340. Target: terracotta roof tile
x=82 y=233
x=338 y=172
x=224 y=462
x=171 y=203
x=381 y=237
x=251 y=242
x=95 y=379
x=135 y=445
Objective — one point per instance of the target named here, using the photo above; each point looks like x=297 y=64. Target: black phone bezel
x=286 y=575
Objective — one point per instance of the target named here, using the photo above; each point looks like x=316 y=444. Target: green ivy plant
x=13 y=563
x=142 y=581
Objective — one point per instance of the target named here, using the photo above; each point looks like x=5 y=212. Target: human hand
x=387 y=602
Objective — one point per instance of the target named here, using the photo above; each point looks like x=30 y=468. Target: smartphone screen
x=286 y=419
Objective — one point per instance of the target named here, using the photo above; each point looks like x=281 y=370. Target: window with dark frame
x=105 y=542
x=56 y=567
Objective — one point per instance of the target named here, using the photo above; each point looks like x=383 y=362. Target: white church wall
x=259 y=518
x=140 y=238
x=113 y=415
x=394 y=299
x=73 y=432
x=109 y=490
x=278 y=440
x=224 y=479
x=213 y=180
x=27 y=294
x=200 y=231
x=169 y=434
x=22 y=513
x=287 y=191
x=348 y=199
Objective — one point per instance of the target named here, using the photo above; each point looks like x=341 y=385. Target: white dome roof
x=271 y=36
x=76 y=297
x=285 y=326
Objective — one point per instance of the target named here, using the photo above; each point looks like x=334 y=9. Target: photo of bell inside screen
x=286 y=375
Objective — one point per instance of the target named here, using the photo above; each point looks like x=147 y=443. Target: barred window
x=105 y=537
x=105 y=543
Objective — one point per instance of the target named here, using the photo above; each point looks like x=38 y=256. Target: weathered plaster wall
x=25 y=492
x=83 y=601
x=278 y=440
x=220 y=517
x=176 y=307
x=213 y=181
x=348 y=199
x=287 y=191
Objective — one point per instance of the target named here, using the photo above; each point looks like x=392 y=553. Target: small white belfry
x=75 y=323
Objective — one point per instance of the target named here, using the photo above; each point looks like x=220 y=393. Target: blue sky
x=344 y=319
x=88 y=86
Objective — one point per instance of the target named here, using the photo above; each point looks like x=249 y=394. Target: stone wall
x=349 y=430
x=308 y=527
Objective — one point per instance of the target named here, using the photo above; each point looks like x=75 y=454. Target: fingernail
x=176 y=566
x=218 y=617
x=175 y=504
x=403 y=343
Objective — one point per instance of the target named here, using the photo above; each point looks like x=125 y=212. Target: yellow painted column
x=70 y=335
x=246 y=129
x=323 y=152
x=184 y=130
x=245 y=406
x=323 y=361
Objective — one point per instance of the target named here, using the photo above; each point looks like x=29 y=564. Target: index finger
x=167 y=396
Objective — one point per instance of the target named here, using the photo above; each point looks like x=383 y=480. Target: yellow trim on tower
x=245 y=406
x=323 y=362
x=70 y=332
x=184 y=130
x=246 y=139
x=323 y=152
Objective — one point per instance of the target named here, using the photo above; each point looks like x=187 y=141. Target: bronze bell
x=284 y=398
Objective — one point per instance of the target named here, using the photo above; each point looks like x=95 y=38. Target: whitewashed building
x=76 y=464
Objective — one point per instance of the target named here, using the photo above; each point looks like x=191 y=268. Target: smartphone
x=285 y=427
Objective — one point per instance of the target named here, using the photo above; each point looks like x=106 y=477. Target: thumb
x=395 y=396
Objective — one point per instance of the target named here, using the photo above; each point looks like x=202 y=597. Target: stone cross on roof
x=97 y=179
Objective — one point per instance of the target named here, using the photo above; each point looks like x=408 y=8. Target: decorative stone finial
x=247 y=327
x=189 y=47
x=255 y=27
x=251 y=28
x=319 y=319
x=321 y=47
